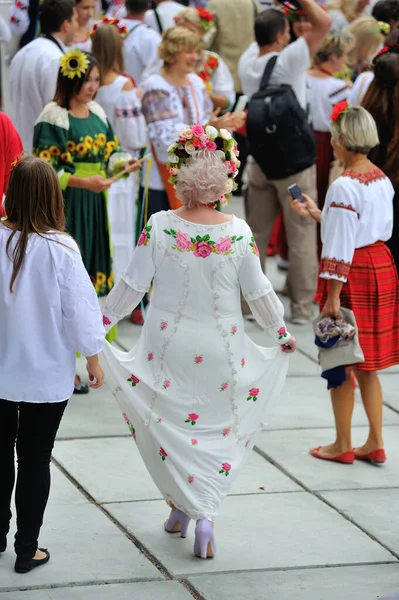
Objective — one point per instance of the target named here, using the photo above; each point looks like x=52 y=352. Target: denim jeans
x=32 y=428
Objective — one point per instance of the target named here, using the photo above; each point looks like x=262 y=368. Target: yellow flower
x=45 y=155
x=107 y=153
x=101 y=139
x=88 y=141
x=110 y=280
x=71 y=146
x=95 y=146
x=100 y=280
x=80 y=148
x=110 y=146
x=66 y=157
x=116 y=141
x=74 y=63
x=54 y=151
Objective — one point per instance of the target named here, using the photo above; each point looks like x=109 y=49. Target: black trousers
x=32 y=429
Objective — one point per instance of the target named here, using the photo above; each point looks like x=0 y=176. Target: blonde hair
x=349 y=8
x=356 y=130
x=189 y=15
x=368 y=37
x=336 y=42
x=107 y=48
x=174 y=41
x=203 y=179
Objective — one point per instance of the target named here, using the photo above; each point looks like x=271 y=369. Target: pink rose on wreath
x=183 y=241
x=224 y=386
x=202 y=249
x=231 y=166
x=192 y=418
x=223 y=244
x=211 y=146
x=198 y=359
x=234 y=330
x=191 y=479
x=226 y=432
x=197 y=130
x=142 y=238
x=173 y=171
x=163 y=325
x=253 y=394
x=222 y=200
x=194 y=442
x=225 y=470
x=133 y=380
x=150 y=356
x=166 y=384
x=106 y=321
x=198 y=143
x=163 y=454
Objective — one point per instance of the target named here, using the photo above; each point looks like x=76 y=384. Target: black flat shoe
x=3 y=545
x=24 y=566
x=81 y=388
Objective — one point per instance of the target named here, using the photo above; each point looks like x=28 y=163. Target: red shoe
x=137 y=317
x=347 y=458
x=377 y=456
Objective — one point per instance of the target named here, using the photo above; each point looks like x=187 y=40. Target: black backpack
x=281 y=139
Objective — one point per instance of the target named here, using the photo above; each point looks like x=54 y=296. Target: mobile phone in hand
x=295 y=192
x=241 y=104
x=291 y=4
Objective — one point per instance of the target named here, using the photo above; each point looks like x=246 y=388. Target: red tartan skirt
x=372 y=292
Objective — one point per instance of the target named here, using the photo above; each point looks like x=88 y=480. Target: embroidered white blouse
x=358 y=212
x=52 y=313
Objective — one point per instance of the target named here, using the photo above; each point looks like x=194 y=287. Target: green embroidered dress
x=83 y=147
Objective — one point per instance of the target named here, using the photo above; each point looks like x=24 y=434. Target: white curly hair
x=203 y=179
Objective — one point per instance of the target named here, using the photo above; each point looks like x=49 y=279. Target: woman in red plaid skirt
x=358 y=272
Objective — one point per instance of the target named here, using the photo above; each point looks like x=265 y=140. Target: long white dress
x=194 y=389
x=123 y=109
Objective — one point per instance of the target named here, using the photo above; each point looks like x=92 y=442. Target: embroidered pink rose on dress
x=191 y=479
x=160 y=420
x=131 y=428
x=224 y=386
x=202 y=249
x=254 y=246
x=192 y=418
x=163 y=454
x=106 y=321
x=183 y=241
x=253 y=394
x=150 y=356
x=226 y=468
x=194 y=442
x=223 y=245
x=246 y=444
x=133 y=380
x=226 y=432
x=234 y=330
x=282 y=333
x=243 y=362
x=198 y=359
x=166 y=384
x=145 y=236
x=163 y=325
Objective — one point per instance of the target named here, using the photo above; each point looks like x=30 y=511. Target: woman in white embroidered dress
x=121 y=104
x=194 y=389
x=358 y=272
x=86 y=10
x=173 y=100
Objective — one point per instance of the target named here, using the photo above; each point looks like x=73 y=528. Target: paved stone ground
x=293 y=528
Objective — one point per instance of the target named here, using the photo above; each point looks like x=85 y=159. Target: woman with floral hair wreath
x=194 y=389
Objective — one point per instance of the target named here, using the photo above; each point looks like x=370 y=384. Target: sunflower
x=88 y=141
x=66 y=157
x=95 y=146
x=101 y=139
x=116 y=141
x=110 y=280
x=80 y=148
x=45 y=155
x=54 y=151
x=107 y=153
x=110 y=146
x=71 y=146
x=74 y=63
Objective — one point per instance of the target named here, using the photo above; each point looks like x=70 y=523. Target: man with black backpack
x=274 y=75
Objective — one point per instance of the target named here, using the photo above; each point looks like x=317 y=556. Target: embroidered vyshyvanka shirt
x=358 y=212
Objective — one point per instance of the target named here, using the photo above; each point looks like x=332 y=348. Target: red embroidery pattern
x=345 y=206
x=365 y=178
x=332 y=266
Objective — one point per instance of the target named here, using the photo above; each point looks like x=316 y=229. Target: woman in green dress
x=74 y=135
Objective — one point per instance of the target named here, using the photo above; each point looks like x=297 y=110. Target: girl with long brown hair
x=49 y=311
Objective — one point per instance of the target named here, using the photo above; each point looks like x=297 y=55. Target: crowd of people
x=134 y=142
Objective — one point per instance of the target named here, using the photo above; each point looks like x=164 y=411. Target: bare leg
x=370 y=389
x=343 y=399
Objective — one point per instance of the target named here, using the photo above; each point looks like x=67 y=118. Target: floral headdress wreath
x=206 y=19
x=197 y=137
x=386 y=50
x=339 y=109
x=123 y=30
x=74 y=63
x=292 y=15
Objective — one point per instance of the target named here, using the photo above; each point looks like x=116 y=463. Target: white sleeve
x=19 y=18
x=47 y=81
x=223 y=83
x=81 y=312
x=129 y=124
x=340 y=222
x=135 y=280
x=148 y=52
x=295 y=58
x=154 y=66
x=260 y=295
x=360 y=87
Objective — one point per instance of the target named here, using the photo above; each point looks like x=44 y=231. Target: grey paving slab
x=94 y=414
x=257 y=532
x=290 y=449
x=111 y=470
x=84 y=544
x=305 y=403
x=157 y=590
x=356 y=583
x=390 y=388
x=375 y=510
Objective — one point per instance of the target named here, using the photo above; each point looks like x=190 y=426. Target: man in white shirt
x=34 y=69
x=266 y=198
x=141 y=43
x=162 y=16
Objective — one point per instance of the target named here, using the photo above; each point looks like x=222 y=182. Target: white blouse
x=324 y=93
x=52 y=313
x=123 y=109
x=358 y=212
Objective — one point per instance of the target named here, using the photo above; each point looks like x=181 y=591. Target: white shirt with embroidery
x=358 y=212
x=195 y=388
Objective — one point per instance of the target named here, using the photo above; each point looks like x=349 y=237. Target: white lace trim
x=259 y=293
x=143 y=289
